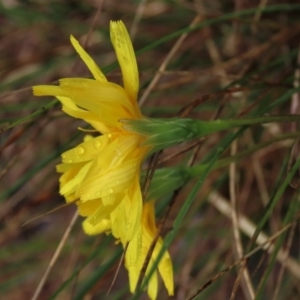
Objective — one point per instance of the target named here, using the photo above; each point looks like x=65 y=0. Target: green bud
x=163 y=133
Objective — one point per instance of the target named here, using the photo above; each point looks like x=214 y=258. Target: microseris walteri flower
x=101 y=174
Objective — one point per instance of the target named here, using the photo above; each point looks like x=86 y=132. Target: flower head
x=102 y=173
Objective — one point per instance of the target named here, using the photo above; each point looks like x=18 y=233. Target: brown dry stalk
x=54 y=257
x=244 y=272
x=248 y=228
x=263 y=245
x=165 y=62
x=284 y=35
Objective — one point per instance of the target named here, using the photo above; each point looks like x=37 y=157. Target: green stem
x=31 y=116
x=209 y=127
x=163 y=133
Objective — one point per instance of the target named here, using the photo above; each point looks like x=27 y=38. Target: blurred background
x=225 y=59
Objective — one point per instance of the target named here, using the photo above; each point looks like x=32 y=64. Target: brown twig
x=217 y=276
x=54 y=257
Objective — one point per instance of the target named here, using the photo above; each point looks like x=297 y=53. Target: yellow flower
x=148 y=231
x=102 y=174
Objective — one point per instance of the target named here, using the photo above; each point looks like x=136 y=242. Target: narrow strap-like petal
x=75 y=182
x=126 y=57
x=152 y=285
x=107 y=100
x=48 y=90
x=101 y=213
x=90 y=63
x=85 y=151
x=133 y=272
x=101 y=184
x=86 y=209
x=70 y=108
x=165 y=268
x=101 y=227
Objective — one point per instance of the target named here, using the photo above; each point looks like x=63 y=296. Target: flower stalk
x=163 y=133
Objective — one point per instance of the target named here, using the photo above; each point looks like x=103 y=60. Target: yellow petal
x=70 y=108
x=101 y=213
x=126 y=57
x=149 y=232
x=70 y=171
x=134 y=207
x=86 y=209
x=115 y=180
x=133 y=273
x=149 y=217
x=153 y=284
x=104 y=92
x=126 y=220
x=71 y=197
x=165 y=268
x=103 y=226
x=113 y=172
x=133 y=253
x=107 y=100
x=64 y=168
x=86 y=151
x=47 y=90
x=90 y=63
x=87 y=138
x=126 y=147
x=73 y=184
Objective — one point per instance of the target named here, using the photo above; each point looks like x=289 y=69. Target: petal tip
x=34 y=91
x=74 y=41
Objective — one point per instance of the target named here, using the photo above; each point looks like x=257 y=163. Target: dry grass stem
x=244 y=272
x=248 y=228
x=165 y=63
x=54 y=257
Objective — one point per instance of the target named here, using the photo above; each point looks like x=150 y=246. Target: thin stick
x=244 y=273
x=248 y=227
x=137 y=19
x=88 y=35
x=282 y=269
x=118 y=269
x=47 y=213
x=258 y=14
x=96 y=16
x=55 y=257
x=262 y=246
x=165 y=63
